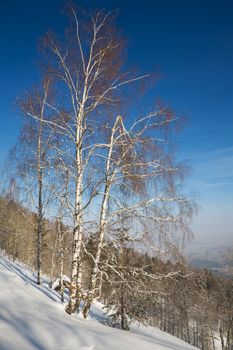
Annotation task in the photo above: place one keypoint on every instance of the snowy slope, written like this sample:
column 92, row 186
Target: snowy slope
column 32, row 317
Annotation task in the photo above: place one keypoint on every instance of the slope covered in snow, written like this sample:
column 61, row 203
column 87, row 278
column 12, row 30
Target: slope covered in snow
column 33, row 317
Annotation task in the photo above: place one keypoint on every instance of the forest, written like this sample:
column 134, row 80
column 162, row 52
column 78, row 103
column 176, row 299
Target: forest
column 191, row 304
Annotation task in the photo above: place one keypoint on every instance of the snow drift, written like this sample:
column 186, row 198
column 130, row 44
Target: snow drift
column 33, row 317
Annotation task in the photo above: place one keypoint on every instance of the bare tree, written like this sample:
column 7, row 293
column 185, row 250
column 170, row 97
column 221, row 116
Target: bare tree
column 87, row 69
column 108, row 169
column 32, row 154
column 140, row 183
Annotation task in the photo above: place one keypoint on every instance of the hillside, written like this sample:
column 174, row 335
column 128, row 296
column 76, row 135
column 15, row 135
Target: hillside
column 33, row 317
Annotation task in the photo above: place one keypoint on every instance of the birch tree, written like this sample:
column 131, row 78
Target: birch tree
column 32, row 155
column 87, row 67
column 140, row 177
column 112, row 168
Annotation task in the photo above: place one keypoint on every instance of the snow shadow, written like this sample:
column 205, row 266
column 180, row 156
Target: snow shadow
column 28, row 279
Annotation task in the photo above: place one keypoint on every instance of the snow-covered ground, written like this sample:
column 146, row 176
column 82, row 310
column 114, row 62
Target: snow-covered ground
column 32, row 317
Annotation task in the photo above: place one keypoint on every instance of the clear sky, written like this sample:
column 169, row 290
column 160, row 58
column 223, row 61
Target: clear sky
column 190, row 42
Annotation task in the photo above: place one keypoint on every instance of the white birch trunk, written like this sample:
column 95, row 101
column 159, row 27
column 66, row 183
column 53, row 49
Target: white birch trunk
column 76, row 268
column 102, row 224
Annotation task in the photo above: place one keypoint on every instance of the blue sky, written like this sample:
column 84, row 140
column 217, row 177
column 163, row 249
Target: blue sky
column 190, row 43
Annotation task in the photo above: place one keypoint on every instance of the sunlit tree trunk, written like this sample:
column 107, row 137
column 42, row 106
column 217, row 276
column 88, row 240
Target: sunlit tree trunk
column 76, row 267
column 102, row 221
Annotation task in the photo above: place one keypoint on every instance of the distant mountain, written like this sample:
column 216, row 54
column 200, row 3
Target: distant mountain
column 220, row 269
column 205, row 263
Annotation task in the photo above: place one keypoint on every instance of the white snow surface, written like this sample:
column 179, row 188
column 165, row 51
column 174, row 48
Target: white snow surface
column 32, row 317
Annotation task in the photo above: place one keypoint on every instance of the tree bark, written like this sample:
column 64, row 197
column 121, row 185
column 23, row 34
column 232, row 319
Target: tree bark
column 102, row 224
column 76, row 267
